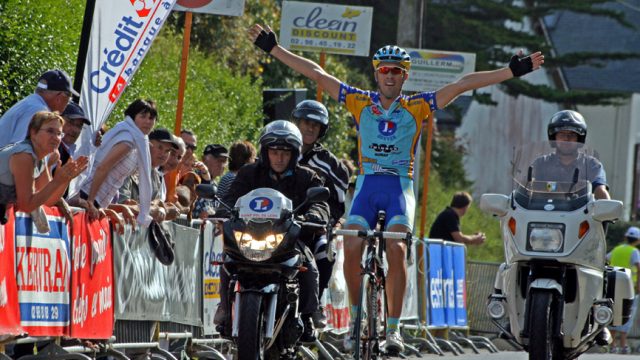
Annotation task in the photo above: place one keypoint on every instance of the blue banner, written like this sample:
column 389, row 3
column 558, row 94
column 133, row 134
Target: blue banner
column 460, row 281
column 447, row 284
column 434, row 288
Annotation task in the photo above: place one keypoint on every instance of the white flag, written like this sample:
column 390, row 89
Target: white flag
column 122, row 32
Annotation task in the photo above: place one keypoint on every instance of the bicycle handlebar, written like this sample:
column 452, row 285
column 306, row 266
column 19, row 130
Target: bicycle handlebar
column 370, row 233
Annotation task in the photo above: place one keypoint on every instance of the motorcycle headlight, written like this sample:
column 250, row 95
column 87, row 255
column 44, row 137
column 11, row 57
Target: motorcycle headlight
column 546, row 237
column 257, row 249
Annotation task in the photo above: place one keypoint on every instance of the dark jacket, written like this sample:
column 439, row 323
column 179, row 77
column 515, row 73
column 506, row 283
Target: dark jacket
column 293, row 186
column 334, row 174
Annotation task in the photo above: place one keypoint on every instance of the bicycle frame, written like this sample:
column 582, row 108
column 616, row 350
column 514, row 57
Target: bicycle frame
column 372, row 287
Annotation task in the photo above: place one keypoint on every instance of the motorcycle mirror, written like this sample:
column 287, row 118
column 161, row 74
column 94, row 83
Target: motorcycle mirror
column 206, row 191
column 607, row 210
column 314, row 195
column 495, row 204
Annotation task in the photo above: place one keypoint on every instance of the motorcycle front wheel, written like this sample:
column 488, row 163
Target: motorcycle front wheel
column 542, row 344
column 250, row 342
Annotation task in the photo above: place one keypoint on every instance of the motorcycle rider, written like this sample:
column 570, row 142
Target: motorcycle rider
column 278, row 168
column 566, row 131
column 312, row 118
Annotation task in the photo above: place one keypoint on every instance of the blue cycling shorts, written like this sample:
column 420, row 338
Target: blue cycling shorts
column 391, row 193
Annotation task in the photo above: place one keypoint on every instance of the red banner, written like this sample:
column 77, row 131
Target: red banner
column 92, row 279
column 9, row 307
column 43, row 271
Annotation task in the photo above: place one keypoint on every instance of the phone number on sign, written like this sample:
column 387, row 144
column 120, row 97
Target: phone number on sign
column 298, row 43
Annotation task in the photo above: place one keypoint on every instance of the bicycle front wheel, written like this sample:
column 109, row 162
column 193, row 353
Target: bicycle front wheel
column 357, row 324
column 375, row 319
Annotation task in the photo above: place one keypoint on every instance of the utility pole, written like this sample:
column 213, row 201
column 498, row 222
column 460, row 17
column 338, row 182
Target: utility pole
column 410, row 26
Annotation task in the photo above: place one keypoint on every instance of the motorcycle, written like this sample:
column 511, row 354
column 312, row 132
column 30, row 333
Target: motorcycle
column 554, row 294
column 262, row 258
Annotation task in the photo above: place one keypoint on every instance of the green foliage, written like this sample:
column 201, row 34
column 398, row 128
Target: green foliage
column 447, row 157
column 439, row 197
column 220, row 106
column 36, row 36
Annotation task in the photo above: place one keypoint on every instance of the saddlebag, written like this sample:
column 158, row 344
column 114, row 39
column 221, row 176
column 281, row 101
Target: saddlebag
column 620, row 290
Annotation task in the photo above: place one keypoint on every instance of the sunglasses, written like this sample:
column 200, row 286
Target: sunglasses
column 395, row 70
column 192, row 147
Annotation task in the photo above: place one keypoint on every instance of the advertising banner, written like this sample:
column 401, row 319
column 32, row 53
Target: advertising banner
column 447, row 284
column 121, row 34
column 433, row 69
column 148, row 290
column 460, row 282
column 92, row 279
column 435, row 292
column 334, row 29
column 212, row 247
column 43, row 271
column 9, row 307
column 217, row 7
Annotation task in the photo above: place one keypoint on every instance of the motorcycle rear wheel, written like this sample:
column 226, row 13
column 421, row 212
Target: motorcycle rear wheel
column 250, row 341
column 542, row 344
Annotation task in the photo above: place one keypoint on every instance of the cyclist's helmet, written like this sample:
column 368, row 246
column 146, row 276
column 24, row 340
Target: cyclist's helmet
column 313, row 111
column 567, row 120
column 281, row 134
column 392, row 54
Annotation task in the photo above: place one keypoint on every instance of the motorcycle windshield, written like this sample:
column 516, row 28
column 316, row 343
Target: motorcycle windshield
column 555, row 176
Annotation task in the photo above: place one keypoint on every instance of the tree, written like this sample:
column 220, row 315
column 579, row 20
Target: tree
column 35, row 36
column 493, row 28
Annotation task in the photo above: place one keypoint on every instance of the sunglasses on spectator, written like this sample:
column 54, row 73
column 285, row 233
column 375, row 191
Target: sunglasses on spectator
column 395, row 70
column 192, row 147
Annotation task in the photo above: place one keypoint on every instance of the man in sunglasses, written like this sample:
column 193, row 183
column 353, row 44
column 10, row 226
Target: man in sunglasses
column 389, row 125
column 53, row 92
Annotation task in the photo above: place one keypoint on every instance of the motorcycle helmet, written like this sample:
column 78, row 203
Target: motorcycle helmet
column 281, row 134
column 313, row 111
column 567, row 120
column 392, row 54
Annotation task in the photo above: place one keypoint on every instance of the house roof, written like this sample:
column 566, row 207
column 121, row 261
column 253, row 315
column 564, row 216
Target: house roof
column 573, row 32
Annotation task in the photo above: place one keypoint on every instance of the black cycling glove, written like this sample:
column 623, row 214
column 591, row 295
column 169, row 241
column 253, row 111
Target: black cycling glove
column 266, row 41
column 520, row 66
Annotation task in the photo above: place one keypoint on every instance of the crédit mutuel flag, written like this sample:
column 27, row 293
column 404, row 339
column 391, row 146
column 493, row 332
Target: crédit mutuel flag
column 122, row 32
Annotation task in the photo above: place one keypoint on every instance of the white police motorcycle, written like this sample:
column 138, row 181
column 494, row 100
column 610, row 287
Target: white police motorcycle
column 554, row 295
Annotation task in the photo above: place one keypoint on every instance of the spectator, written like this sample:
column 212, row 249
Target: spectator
column 74, row 119
column 240, row 154
column 175, row 157
column 215, row 157
column 161, row 143
column 24, row 176
column 190, row 140
column 628, row 256
column 447, row 224
column 124, row 149
column 53, row 92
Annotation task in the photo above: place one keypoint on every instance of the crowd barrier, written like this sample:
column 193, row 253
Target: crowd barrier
column 87, row 282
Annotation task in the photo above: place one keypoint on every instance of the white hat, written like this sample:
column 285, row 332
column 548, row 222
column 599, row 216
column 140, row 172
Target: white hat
column 633, row 232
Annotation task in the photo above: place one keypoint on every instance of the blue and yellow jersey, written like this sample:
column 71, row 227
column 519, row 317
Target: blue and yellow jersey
column 387, row 139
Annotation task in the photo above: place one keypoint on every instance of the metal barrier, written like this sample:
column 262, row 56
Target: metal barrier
column 480, row 279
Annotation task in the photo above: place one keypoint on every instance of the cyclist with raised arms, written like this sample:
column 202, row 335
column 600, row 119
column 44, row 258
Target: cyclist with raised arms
column 389, row 126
